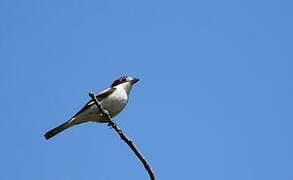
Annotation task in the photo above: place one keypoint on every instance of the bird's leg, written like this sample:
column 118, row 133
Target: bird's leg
column 107, row 117
column 111, row 123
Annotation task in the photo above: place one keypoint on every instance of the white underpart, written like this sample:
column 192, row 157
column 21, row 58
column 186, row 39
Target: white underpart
column 114, row 104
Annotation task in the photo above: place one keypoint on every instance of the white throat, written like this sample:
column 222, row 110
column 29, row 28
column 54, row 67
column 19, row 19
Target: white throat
column 127, row 86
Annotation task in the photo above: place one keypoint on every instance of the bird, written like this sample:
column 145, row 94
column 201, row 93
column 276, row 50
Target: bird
column 112, row 99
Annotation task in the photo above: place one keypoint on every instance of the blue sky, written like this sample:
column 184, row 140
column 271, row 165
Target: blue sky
column 214, row 100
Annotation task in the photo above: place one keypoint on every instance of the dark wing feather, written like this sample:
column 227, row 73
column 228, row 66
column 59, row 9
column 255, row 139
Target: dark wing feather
column 100, row 97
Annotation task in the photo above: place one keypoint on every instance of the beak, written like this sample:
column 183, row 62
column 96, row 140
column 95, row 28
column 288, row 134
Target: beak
column 134, row 80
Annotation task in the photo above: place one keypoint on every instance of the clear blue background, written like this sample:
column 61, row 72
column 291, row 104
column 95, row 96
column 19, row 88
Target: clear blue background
column 214, row 101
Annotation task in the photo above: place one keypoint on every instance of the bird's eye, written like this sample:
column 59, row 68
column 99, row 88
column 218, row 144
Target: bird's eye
column 123, row 79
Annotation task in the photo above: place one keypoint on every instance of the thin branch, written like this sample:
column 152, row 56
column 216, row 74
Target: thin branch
column 123, row 136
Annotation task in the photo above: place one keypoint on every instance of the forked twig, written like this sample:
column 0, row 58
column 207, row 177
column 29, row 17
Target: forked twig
column 123, row 136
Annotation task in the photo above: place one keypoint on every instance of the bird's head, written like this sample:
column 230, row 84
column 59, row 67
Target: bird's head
column 126, row 82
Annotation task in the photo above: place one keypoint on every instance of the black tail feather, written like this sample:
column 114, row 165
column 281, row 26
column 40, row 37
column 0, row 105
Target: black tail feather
column 58, row 129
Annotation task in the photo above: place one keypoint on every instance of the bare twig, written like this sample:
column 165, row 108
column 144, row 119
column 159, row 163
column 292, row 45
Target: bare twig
column 123, row 136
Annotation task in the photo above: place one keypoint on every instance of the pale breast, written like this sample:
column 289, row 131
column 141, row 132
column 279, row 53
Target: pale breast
column 115, row 102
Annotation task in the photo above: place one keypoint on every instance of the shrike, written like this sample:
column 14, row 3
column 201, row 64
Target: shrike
column 113, row 99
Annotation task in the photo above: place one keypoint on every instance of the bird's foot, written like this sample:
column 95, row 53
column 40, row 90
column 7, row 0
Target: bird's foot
column 110, row 124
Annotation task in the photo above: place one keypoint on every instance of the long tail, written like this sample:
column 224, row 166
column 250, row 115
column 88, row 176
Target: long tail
column 59, row 129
